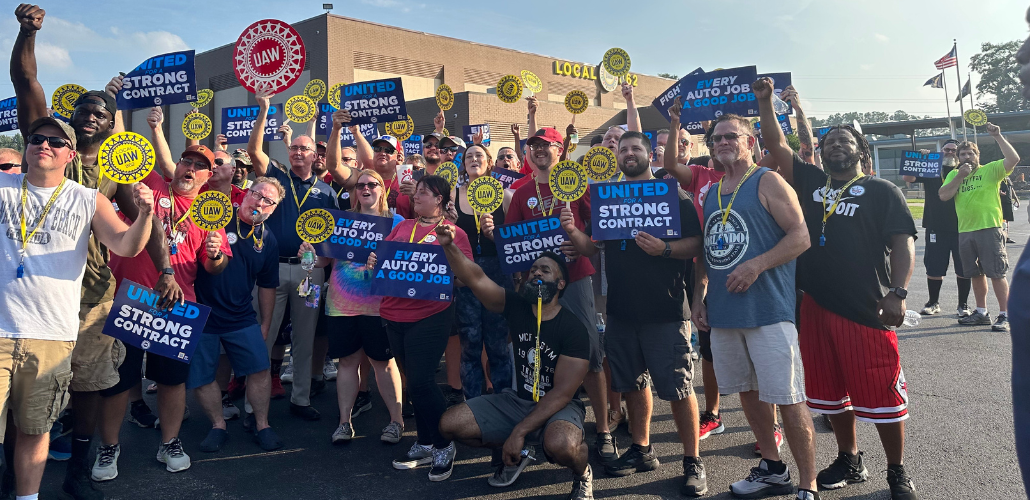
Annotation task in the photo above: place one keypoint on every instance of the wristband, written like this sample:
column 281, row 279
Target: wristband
column 668, row 250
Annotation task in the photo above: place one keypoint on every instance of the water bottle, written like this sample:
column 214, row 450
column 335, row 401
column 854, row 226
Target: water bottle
column 600, row 323
column 911, row 318
column 779, row 105
column 307, row 261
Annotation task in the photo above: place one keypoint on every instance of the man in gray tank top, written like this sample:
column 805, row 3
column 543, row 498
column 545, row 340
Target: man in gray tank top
column 753, row 231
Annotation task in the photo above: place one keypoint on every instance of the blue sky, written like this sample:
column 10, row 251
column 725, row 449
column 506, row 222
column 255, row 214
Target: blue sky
column 845, row 56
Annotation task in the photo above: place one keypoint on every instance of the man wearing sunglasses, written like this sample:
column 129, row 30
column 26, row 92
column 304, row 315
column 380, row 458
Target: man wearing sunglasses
column 221, row 179
column 241, row 169
column 10, row 161
column 506, row 158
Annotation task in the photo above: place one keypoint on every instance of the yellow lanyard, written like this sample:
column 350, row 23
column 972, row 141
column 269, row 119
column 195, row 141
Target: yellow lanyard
column 173, row 229
column 726, row 213
column 42, row 217
column 539, row 358
column 540, row 199
column 414, row 227
column 258, row 243
column 836, row 201
column 293, row 188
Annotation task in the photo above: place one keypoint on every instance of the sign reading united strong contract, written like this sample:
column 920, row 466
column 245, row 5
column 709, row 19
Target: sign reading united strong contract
column 917, row 164
column 9, row 114
column 269, row 56
column 160, row 81
column 619, row 210
column 374, row 101
column 521, row 243
column 238, row 122
column 136, row 321
column 412, row 271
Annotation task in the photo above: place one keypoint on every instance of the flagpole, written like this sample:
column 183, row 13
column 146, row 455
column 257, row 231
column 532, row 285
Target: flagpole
column 972, row 104
column 947, row 104
column 961, row 106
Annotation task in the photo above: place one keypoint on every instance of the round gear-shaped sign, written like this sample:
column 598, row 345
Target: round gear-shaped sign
column 126, row 157
column 211, row 210
column 334, row 95
column 608, row 81
column 576, row 102
column 532, row 81
column 444, row 97
column 300, row 109
column 196, row 126
column 975, row 117
column 315, row 89
column 486, row 194
column 568, row 181
column 616, row 61
column 204, row 97
column 600, row 163
column 63, row 100
column 401, row 129
column 315, row 225
column 269, row 56
column 509, row 89
column 449, row 171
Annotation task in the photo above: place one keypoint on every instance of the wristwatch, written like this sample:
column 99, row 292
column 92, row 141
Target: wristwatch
column 900, row 292
column 668, row 250
column 169, row 271
column 218, row 256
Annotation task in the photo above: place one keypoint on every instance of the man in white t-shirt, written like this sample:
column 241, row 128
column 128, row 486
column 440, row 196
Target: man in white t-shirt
column 47, row 220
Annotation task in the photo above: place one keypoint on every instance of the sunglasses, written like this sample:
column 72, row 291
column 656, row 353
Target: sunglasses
column 384, row 149
column 196, row 164
column 450, row 149
column 344, row 159
column 7, row 166
column 505, row 157
column 717, row 138
column 55, row 142
column 222, row 161
column 302, row 149
column 370, row 185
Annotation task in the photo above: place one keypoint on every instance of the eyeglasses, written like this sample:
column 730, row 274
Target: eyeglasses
column 261, row 198
column 505, row 157
column 450, row 149
column 537, row 146
column 7, row 166
column 223, row 161
column 370, row 185
column 302, row 149
column 197, row 164
column 55, row 142
column 384, row 149
column 347, row 160
column 684, row 141
column 717, row 138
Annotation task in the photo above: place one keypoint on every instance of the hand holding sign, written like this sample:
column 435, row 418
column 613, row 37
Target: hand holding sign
column 568, row 221
column 155, row 118
column 531, row 107
column 213, row 244
column 627, row 92
column 114, row 86
column 340, row 118
column 263, row 96
column 649, row 244
column 486, row 225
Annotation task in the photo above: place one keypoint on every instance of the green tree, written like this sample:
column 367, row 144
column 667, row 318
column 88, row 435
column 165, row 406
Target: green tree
column 999, row 88
column 794, row 142
column 12, row 141
column 669, row 76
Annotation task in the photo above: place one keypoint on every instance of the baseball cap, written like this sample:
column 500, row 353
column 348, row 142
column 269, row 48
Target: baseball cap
column 546, row 134
column 438, row 135
column 320, row 144
column 97, row 97
column 389, row 139
column 241, row 156
column 66, row 129
column 454, row 141
column 201, row 151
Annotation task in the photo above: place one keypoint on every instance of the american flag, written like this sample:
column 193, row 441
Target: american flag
column 949, row 60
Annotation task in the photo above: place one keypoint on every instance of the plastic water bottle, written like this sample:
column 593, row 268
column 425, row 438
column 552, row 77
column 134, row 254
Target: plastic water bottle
column 911, row 318
column 600, row 323
column 307, row 261
column 779, row 105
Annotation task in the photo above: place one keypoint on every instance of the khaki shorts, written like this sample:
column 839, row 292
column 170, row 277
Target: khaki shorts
column 34, row 377
column 96, row 357
column 764, row 359
column 983, row 252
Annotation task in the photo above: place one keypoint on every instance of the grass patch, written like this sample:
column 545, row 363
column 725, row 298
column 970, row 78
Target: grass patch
column 916, row 208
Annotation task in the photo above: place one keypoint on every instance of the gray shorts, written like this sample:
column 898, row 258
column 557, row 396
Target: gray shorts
column 498, row 414
column 579, row 299
column 764, row 359
column 983, row 252
column 660, row 349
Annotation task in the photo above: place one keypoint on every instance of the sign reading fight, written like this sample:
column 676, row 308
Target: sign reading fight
column 9, row 114
column 663, row 102
column 136, row 321
column 709, row 96
column 354, row 236
column 521, row 243
column 469, row 131
column 620, row 209
column 269, row 55
column 413, row 271
column 917, row 164
column 374, row 101
column 238, row 122
column 505, row 176
column 160, row 81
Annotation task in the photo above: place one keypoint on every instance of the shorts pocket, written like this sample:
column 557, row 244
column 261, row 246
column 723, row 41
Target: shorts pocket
column 60, row 395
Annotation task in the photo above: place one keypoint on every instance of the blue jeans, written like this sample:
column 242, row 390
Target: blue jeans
column 477, row 328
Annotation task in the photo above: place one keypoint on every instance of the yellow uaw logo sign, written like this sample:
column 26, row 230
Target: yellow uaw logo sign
column 444, row 97
column 402, row 129
column 300, row 109
column 600, row 163
column 196, row 126
column 509, row 89
column 975, row 117
column 449, row 171
column 616, row 61
column 576, row 102
column 315, row 225
column 486, row 194
column 315, row 90
column 63, row 100
column 211, row 210
column 126, row 157
column 532, row 81
column 608, row 80
column 334, row 95
column 567, row 180
column 446, row 132
column 204, row 97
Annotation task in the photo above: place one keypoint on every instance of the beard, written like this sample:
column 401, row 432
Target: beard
column 638, row 167
column 532, row 289
column 184, row 185
column 842, row 165
column 86, row 141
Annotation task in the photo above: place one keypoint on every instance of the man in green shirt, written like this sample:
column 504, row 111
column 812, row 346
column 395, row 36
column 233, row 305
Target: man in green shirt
column 981, row 240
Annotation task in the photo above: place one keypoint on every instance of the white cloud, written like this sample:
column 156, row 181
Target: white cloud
column 52, row 56
column 880, row 37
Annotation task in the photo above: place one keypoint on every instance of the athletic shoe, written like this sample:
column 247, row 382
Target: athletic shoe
column 172, row 456
column 711, row 423
column 606, row 447
column 901, row 486
column 761, row 482
column 583, row 487
column 77, row 484
column 229, row 410
column 392, row 433
column 305, row 412
column 443, row 463
column 1001, row 324
column 454, row 397
column 329, row 371
column 807, row 495
column 417, row 456
column 695, row 480
column 277, row 387
column 237, row 388
column 140, row 414
column 976, row 318
column 268, row 440
column 60, row 447
column 930, row 309
column 843, row 471
column 779, row 442
column 105, row 467
column 506, row 475
column 362, row 403
column 636, row 459
column 615, row 419
column 214, row 441
column 963, row 311
column 287, row 376
column 152, row 389
column 344, row 433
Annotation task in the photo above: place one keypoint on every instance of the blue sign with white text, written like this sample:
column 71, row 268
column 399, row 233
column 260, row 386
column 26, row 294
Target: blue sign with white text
column 469, row 132
column 355, row 235
column 521, row 243
column 413, row 271
column 784, row 126
column 713, row 94
column 238, row 121
column 325, row 125
column 621, row 209
column 917, row 164
column 136, row 321
column 375, row 101
column 413, row 146
column 160, row 81
column 780, row 82
column 507, row 177
column 663, row 102
column 9, row 114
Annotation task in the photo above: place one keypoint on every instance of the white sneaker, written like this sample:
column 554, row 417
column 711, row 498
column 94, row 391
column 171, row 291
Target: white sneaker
column 329, row 370
column 105, row 467
column 229, row 410
column 344, row 433
column 173, row 457
column 761, row 482
column 287, row 376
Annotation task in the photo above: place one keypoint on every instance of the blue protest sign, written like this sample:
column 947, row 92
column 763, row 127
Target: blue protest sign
column 780, row 82
column 413, row 146
column 9, row 114
column 709, row 96
column 325, row 125
column 355, row 235
column 160, row 81
column 784, row 126
column 821, row 131
column 620, row 209
column 375, row 101
column 664, row 101
column 917, row 164
column 521, row 243
column 413, row 271
column 238, row 121
column 469, row 131
column 325, row 119
column 368, row 130
column 507, row 177
column 136, row 321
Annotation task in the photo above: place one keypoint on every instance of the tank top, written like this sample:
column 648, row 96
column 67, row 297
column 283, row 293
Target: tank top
column 481, row 246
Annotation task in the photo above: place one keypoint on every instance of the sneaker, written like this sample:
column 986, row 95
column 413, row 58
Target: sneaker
column 636, row 459
column 140, row 414
column 695, row 480
column 318, row 386
column 761, row 482
column 976, row 318
column 214, row 441
column 454, row 397
column 105, row 467
column 711, row 423
column 506, row 475
column 930, row 309
column 901, row 486
column 344, row 433
column 617, row 418
column 443, row 463
column 583, row 487
column 807, row 495
column 779, row 442
column 77, row 484
column 329, row 370
column 152, row 389
column 229, row 410
column 392, row 433
column 1001, row 324
column 237, row 388
column 277, row 387
column 172, row 456
column 606, row 447
column 287, row 376
column 362, row 403
column 305, row 412
column 842, row 472
column 963, row 311
column 417, row 456
column 60, row 447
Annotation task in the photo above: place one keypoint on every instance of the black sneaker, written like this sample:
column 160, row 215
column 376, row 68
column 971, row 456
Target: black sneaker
column 583, row 487
column 454, row 397
column 140, row 414
column 1001, row 324
column 606, row 447
column 443, row 463
column 362, row 403
column 930, row 309
column 77, row 483
column 977, row 318
column 306, row 412
column 695, row 481
column 842, row 472
column 901, row 486
column 636, row 459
